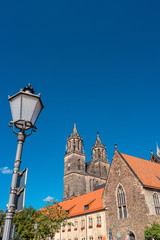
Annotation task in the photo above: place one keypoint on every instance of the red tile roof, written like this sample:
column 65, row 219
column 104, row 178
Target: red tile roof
column 76, row 204
column 148, row 172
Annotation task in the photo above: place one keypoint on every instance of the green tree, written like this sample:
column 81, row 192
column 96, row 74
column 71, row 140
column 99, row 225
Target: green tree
column 50, row 218
column 2, row 217
column 154, row 230
column 24, row 223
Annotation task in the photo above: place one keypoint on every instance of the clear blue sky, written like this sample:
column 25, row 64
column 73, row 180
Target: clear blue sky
column 96, row 64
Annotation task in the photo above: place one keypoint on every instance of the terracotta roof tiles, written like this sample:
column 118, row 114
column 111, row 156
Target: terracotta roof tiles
column 76, row 205
column 148, row 172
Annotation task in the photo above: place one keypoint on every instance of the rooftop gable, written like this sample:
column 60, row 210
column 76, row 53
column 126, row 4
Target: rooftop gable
column 147, row 172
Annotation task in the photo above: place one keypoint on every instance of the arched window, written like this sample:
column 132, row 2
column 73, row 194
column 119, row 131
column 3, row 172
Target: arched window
column 69, row 167
column 79, row 164
column 122, row 209
column 99, row 153
column 156, row 203
column 90, row 184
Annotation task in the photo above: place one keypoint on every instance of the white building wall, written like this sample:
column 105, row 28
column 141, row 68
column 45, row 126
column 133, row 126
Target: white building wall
column 95, row 232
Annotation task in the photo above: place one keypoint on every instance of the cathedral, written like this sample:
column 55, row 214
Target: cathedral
column 108, row 202
column 81, row 177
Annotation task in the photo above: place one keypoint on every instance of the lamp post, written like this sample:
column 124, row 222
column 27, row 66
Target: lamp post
column 25, row 109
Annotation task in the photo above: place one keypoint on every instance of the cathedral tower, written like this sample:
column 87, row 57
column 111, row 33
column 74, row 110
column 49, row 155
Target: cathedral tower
column 99, row 164
column 74, row 166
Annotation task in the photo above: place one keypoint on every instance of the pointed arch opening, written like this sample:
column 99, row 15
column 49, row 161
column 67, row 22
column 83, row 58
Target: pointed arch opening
column 156, row 203
column 121, row 202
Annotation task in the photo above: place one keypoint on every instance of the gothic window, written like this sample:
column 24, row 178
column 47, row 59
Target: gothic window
column 122, row 209
column 94, row 182
column 69, row 167
column 90, row 238
column 156, row 203
column 79, row 164
column 90, row 183
column 99, row 153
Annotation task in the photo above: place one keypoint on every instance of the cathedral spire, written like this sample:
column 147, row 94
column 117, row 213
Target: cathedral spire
column 98, row 142
column 99, row 150
column 75, row 142
column 74, row 133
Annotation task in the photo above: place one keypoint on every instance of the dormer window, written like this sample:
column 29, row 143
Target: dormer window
column 67, row 212
column 86, row 207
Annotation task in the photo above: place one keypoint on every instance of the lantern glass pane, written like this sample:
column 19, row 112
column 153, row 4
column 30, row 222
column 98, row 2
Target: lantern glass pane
column 15, row 104
column 28, row 106
column 36, row 112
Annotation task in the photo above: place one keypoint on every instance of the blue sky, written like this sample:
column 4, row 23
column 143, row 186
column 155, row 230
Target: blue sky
column 96, row 64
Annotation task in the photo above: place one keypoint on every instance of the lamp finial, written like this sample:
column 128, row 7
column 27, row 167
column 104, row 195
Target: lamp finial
column 28, row 89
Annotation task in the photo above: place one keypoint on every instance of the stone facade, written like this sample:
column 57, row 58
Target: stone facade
column 81, row 177
column 84, row 227
column 139, row 205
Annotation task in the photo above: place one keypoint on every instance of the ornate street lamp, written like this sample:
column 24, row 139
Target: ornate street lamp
column 25, row 109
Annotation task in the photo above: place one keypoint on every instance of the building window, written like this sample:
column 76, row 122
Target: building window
column 79, row 164
column 99, row 238
column 121, row 200
column 83, row 238
column 75, row 225
column 99, row 221
column 82, row 225
column 90, row 238
column 156, row 203
column 90, row 223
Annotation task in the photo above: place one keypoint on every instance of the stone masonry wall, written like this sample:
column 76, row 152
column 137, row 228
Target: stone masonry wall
column 74, row 185
column 137, row 209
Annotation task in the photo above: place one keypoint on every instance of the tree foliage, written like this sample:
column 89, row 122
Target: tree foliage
column 154, row 230
column 50, row 218
column 2, row 217
column 24, row 223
